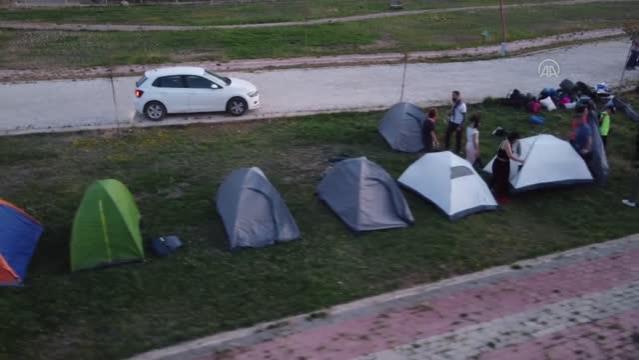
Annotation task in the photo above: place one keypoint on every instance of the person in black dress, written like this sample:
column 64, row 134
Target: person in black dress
column 501, row 167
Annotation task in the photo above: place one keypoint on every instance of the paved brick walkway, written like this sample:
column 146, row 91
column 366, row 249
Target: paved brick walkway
column 581, row 304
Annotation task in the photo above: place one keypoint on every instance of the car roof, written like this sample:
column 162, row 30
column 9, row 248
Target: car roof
column 175, row 70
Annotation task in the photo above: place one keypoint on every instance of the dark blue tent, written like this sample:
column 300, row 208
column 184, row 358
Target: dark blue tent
column 19, row 235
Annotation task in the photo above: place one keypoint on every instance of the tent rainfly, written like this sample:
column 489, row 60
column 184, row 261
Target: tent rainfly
column 450, row 183
column 253, row 212
column 19, row 235
column 549, row 161
column 401, row 127
column 106, row 229
column 364, row 196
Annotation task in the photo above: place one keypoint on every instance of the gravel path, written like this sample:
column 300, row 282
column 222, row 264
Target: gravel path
column 22, row 25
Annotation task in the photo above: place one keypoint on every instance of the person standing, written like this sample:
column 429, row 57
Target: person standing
column 501, row 167
column 634, row 55
column 472, row 140
column 456, row 121
column 583, row 141
column 429, row 135
column 604, row 124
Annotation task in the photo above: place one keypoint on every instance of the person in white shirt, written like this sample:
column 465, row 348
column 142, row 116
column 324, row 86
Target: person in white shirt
column 472, row 139
column 456, row 121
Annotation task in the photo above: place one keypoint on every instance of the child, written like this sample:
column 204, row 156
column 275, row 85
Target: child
column 472, row 140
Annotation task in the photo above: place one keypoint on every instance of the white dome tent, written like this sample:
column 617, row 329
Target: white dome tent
column 548, row 161
column 450, row 183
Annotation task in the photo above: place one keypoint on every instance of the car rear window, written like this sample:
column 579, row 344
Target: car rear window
column 140, row 81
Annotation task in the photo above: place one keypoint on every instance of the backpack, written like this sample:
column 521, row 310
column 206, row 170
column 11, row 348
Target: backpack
column 534, row 107
column 585, row 90
column 567, row 86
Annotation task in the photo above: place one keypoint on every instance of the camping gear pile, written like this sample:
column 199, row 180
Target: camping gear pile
column 567, row 96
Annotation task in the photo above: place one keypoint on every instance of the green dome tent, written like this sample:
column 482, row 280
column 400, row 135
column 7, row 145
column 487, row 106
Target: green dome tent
column 106, row 228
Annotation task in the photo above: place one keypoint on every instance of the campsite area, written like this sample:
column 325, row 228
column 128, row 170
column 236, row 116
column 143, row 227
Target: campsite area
column 174, row 174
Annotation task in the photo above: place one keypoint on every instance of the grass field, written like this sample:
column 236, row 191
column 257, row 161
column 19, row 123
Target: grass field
column 44, row 49
column 174, row 173
column 246, row 13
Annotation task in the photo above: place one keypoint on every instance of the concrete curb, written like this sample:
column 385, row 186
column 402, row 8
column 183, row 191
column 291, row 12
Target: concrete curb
column 191, row 349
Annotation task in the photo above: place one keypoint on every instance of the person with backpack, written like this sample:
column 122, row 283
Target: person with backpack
column 456, row 120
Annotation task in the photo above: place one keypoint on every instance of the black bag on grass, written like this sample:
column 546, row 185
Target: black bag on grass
column 517, row 99
column 165, row 245
column 585, row 90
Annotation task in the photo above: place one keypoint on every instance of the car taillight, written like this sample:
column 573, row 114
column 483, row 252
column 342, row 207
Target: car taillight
column 139, row 93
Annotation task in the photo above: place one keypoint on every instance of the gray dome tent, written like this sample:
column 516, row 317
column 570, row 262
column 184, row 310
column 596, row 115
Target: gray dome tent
column 401, row 127
column 252, row 210
column 364, row 196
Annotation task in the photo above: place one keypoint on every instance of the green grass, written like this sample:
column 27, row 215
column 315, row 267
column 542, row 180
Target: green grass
column 203, row 289
column 259, row 12
column 424, row 32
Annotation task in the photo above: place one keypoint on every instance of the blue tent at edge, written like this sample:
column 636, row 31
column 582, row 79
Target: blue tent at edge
column 19, row 235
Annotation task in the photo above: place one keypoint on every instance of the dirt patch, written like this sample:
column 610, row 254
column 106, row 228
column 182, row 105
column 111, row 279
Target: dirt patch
column 385, row 42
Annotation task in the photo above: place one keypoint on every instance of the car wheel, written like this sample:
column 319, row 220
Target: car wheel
column 154, row 111
column 237, row 106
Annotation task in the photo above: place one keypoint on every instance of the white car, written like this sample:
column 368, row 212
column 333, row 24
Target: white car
column 192, row 90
